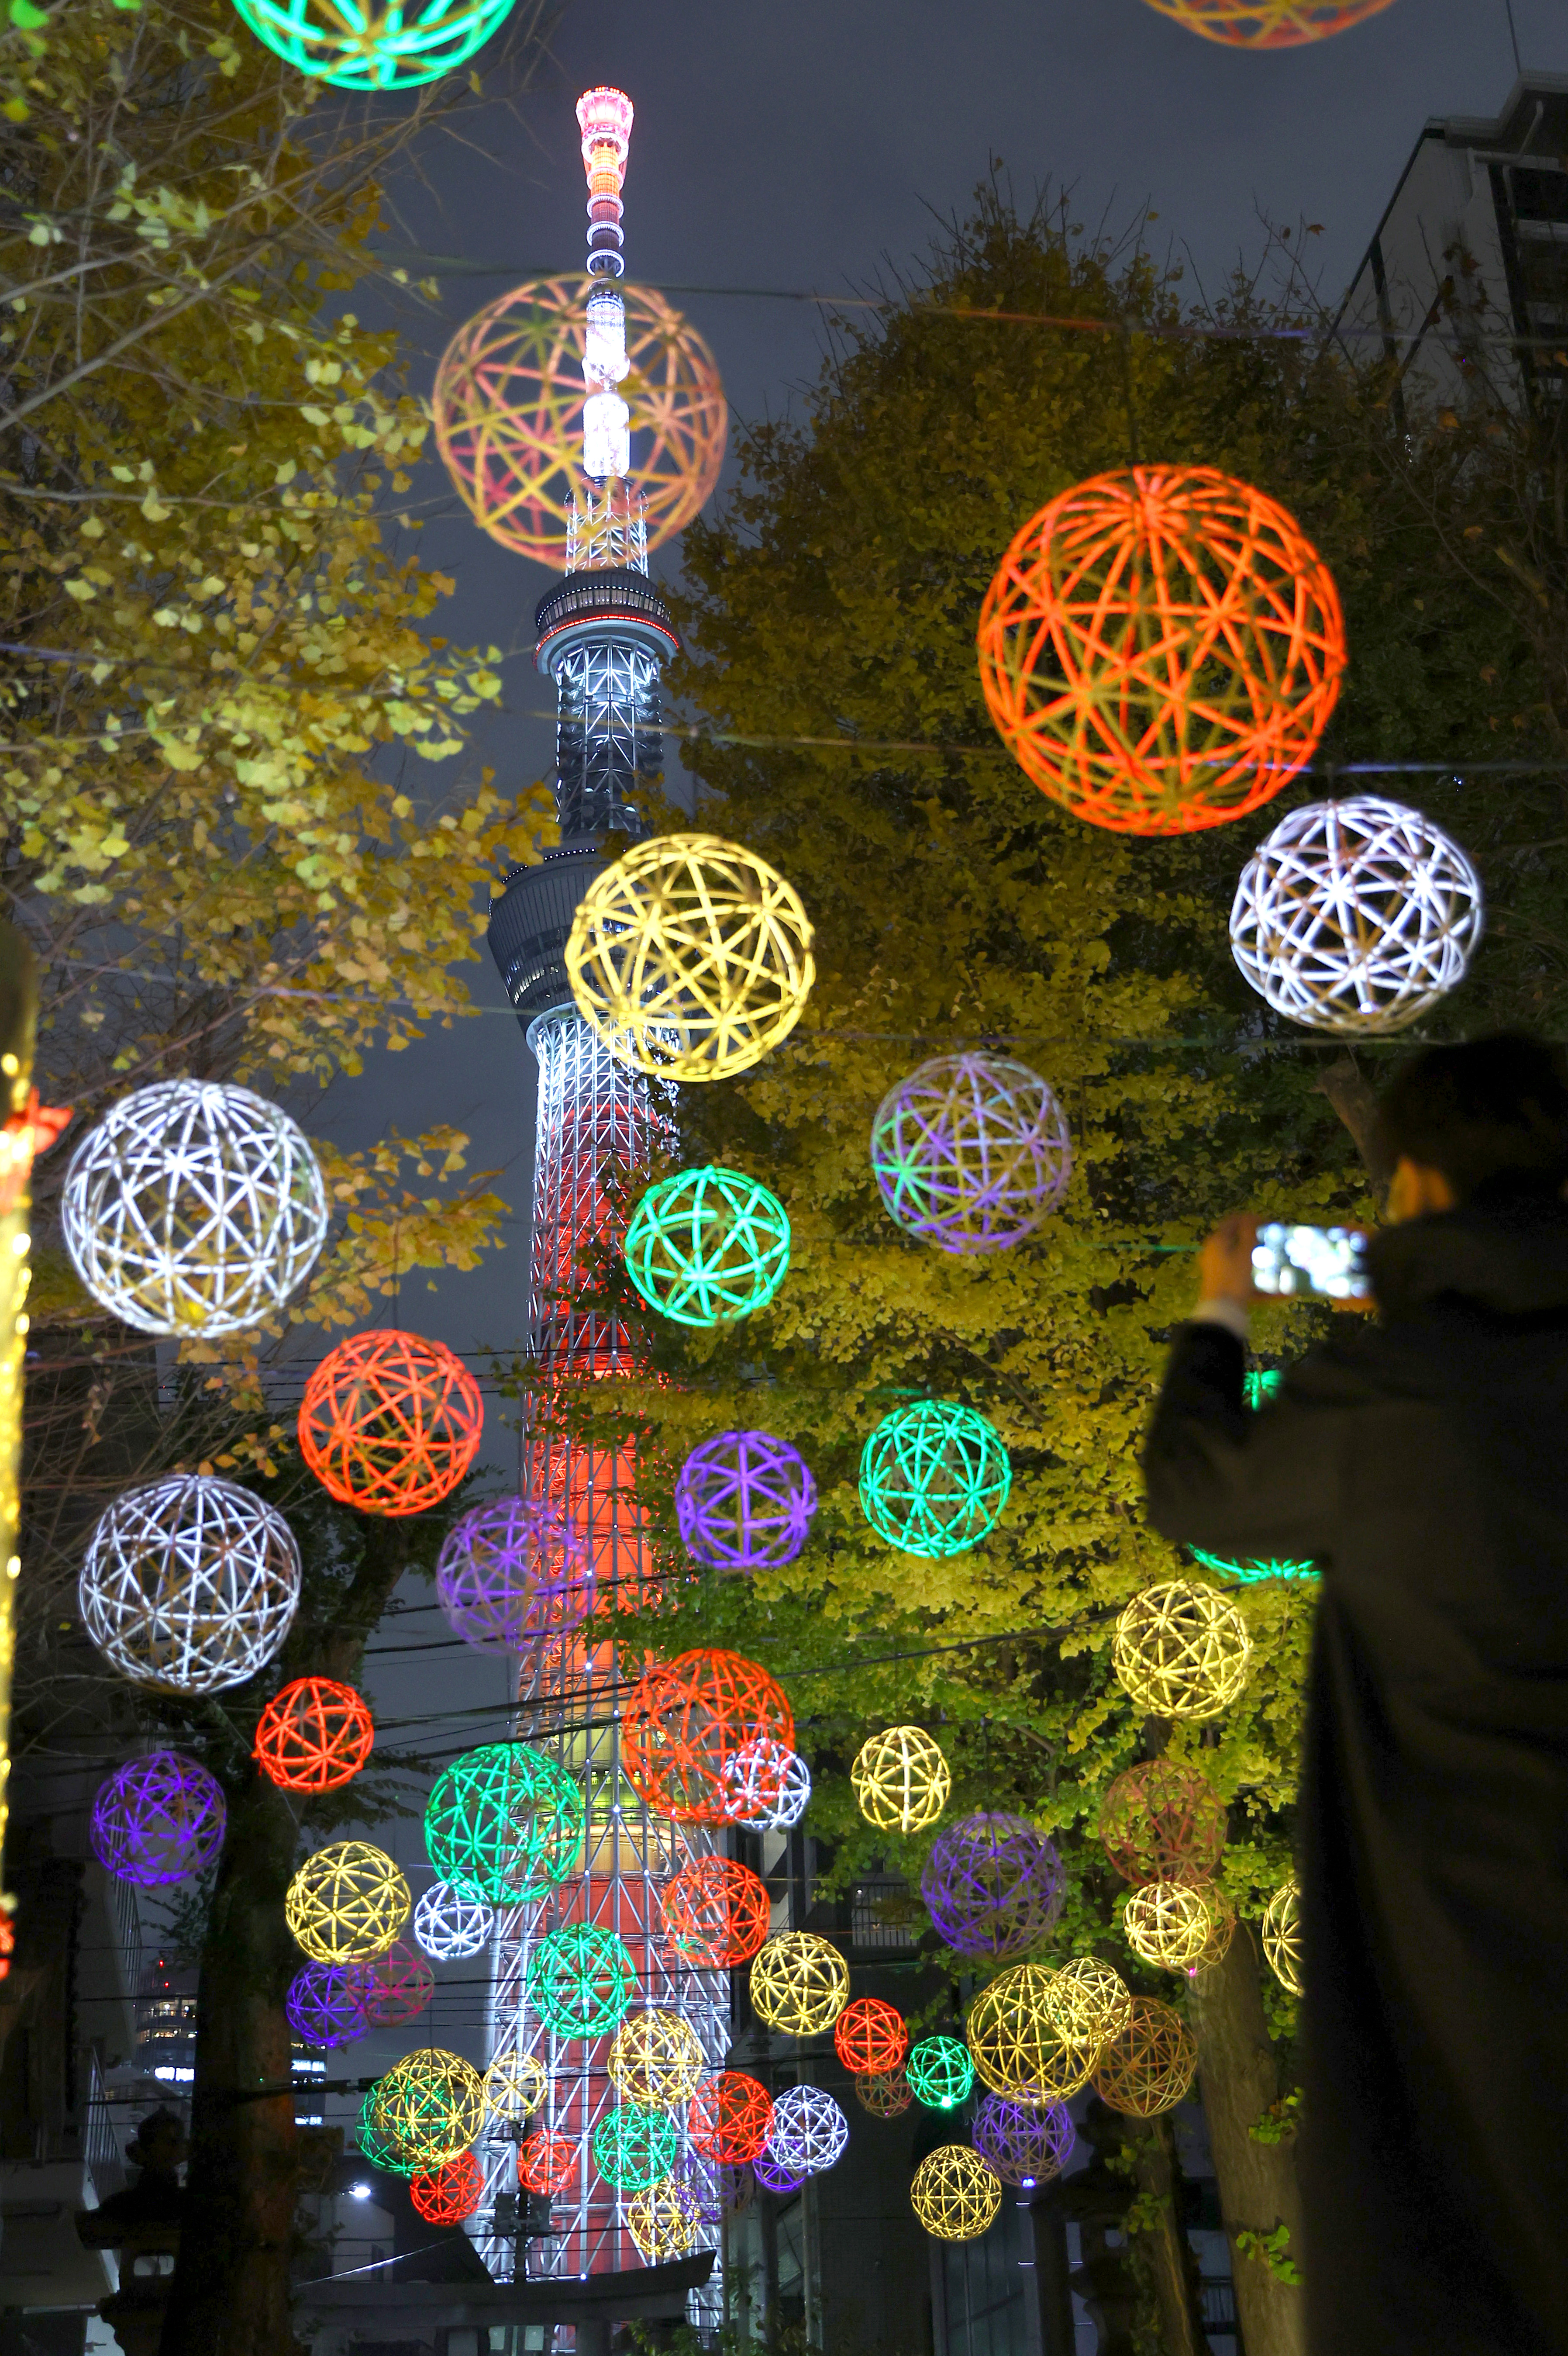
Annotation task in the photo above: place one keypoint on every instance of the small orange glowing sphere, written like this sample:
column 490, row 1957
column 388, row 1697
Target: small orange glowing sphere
column 1269, row 24
column 1161, row 649
column 314, row 1736
column 390, row 1423
column 449, row 2193
column 871, row 2038
column 546, row 2163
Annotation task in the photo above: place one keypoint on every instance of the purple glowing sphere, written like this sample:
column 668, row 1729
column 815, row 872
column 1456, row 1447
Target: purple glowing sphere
column 971, row 1152
column 157, row 1819
column 514, row 1570
column 326, row 2004
column 993, row 1885
column 773, row 2175
column 1024, row 2146
column 744, row 1501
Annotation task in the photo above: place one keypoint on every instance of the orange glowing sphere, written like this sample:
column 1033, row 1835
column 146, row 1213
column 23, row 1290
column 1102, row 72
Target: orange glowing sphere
column 448, row 2194
column 716, row 1911
column 870, row 2038
column 1161, row 649
column 546, row 2163
column 390, row 1423
column 684, row 1722
column 315, row 1735
column 1269, row 24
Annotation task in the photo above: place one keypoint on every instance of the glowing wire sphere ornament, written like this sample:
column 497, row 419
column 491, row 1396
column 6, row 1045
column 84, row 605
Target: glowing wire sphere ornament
column 189, row 1584
column 887, row 2094
column 581, row 1980
column 508, row 403
column 934, row 1478
column 744, row 1501
column 716, row 1911
column 633, row 2146
column 346, row 1904
column 326, row 2005
column 690, row 957
column 686, row 1719
column 374, row 47
column 1178, row 1926
column 511, row 1570
column 398, row 1987
column 1162, row 648
column 955, row 2194
column 1251, row 1571
column 799, row 1984
column 1269, row 24
column 375, row 2146
column 971, row 1152
column 315, row 1735
column 1181, row 1651
column 504, row 1822
column 708, row 1245
column 1162, row 1821
column 871, row 2037
column 1019, row 2046
column 451, row 1921
column 390, row 1423
column 993, row 1885
column 940, row 2074
column 1356, row 917
column 516, row 2085
column 1025, row 2145
column 429, row 2108
column 450, row 2193
column 193, row 1209
column 773, row 2175
column 809, row 2133
column 666, row 2221
column 729, row 2117
column 1150, row 2066
column 1088, row 2001
column 157, row 1820
column 1282, row 1937
column 767, row 1787
column 546, row 2162
column 734, row 2188
column 901, row 1780
column 656, row 2059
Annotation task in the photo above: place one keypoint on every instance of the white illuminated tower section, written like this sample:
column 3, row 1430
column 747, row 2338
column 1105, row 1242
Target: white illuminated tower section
column 603, row 637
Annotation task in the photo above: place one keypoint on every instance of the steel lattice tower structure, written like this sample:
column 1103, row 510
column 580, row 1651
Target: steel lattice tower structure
column 604, row 634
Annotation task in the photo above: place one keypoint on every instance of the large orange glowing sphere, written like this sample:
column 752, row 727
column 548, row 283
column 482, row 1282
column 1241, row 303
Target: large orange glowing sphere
column 390, row 1422
column 508, row 413
column 685, row 1721
column 1269, row 24
column 1161, row 649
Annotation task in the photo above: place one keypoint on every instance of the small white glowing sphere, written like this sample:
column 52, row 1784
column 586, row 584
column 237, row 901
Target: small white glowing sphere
column 1356, row 917
column 809, row 2132
column 766, row 1787
column 450, row 1922
column 189, row 1584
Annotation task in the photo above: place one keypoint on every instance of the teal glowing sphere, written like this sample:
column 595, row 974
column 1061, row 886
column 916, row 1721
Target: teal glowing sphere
column 708, row 1245
column 1258, row 1384
column 359, row 45
column 934, row 1478
column 375, row 2146
column 940, row 2072
column 506, row 1822
column 581, row 1980
column 634, row 2147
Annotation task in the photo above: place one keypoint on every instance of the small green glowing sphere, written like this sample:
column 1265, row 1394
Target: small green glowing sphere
column 506, row 1822
column 708, row 1245
column 939, row 2071
column 376, row 2147
column 634, row 2147
column 1258, row 1384
column 934, row 1478
column 581, row 1980
column 359, row 45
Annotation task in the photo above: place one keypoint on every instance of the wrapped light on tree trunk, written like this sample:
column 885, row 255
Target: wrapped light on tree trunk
column 189, row 1584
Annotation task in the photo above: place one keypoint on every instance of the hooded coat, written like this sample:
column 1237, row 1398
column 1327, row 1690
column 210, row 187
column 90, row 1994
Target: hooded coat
column 1422, row 1464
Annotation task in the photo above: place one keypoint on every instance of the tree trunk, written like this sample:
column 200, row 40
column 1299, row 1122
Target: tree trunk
column 1258, row 2192
column 1345, row 1086
column 1162, row 2249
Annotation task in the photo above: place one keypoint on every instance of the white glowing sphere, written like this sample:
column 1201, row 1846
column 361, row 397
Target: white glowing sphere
column 189, row 1584
column 193, row 1209
column 809, row 2132
column 450, row 1922
column 766, row 1787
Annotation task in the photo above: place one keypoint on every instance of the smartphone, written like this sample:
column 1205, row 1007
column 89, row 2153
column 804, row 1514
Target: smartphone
column 1325, row 1260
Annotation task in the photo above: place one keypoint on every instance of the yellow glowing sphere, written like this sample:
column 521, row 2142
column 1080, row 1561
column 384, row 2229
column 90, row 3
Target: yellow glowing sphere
column 954, row 2193
column 656, row 2059
column 346, row 1904
column 516, row 2085
column 1148, row 2066
column 1269, row 24
column 690, row 957
column 901, row 1780
column 666, row 2221
column 1017, row 2043
column 1179, row 1926
column 1088, row 2001
column 429, row 2108
column 1282, row 1936
column 1182, row 1651
column 800, row 1983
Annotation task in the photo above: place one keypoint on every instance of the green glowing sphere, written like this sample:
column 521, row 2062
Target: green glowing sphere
column 708, row 1245
column 934, row 1478
column 1258, row 1384
column 377, row 2147
column 359, row 45
column 506, row 1822
column 634, row 2147
column 581, row 1980
column 940, row 2072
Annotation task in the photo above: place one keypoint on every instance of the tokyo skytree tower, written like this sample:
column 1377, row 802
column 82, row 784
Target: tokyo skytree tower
column 603, row 637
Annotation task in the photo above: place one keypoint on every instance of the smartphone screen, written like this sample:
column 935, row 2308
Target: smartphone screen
column 1325, row 1260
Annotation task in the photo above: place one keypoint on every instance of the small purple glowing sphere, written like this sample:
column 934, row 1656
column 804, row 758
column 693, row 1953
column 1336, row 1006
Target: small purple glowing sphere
column 993, row 1885
column 773, row 2175
column 1024, row 2146
column 326, row 2004
column 157, row 1819
column 512, row 1570
column 971, row 1152
column 744, row 1501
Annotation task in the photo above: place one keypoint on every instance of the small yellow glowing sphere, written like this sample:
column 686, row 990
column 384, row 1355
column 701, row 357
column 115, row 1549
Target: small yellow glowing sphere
column 901, row 1780
column 1282, row 1936
column 1179, row 1926
column 516, row 2085
column 1017, row 2043
column 1148, row 2066
column 800, row 1983
column 346, row 1904
column 1182, row 1651
column 954, row 2193
column 429, row 2108
column 1088, row 2001
column 666, row 2221
column 690, row 957
column 656, row 2059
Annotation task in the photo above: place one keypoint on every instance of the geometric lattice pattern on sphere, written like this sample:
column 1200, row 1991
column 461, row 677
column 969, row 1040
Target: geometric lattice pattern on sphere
column 809, row 2133
column 1088, row 2001
column 1162, row 1821
column 516, row 2085
column 315, row 1735
column 901, row 1780
column 1269, row 24
column 940, row 2072
column 1181, row 1651
column 799, row 1984
column 993, row 1885
column 511, row 1569
column 449, row 2193
column 429, row 2108
column 716, row 1911
column 869, row 2036
column 326, row 2005
column 730, row 2116
column 506, row 1822
column 189, row 1584
column 1149, row 2065
column 395, row 47
column 389, row 1422
column 451, row 1922
column 769, row 1788
column 708, row 1245
column 1356, row 917
column 687, row 1720
column 193, row 1209
column 346, row 1904
column 1179, row 1926
column 666, row 2221
column 887, row 2095
column 934, row 1478
column 1282, row 1936
column 1161, row 649
column 656, row 2059
column 633, row 2147
column 1025, row 2145
column 971, row 1152
column 744, row 1501
column 581, row 1980
column 691, row 958
column 1018, row 2042
column 398, row 1987
column 955, row 2194
column 156, row 1820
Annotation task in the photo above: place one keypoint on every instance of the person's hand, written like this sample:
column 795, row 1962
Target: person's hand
column 1225, row 1261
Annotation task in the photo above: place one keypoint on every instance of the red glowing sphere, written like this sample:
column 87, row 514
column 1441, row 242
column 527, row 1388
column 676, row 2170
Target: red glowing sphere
column 687, row 1718
column 871, row 2038
column 314, row 1736
column 451, row 2192
column 729, row 2117
column 546, row 2163
column 717, row 1912
column 390, row 1423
